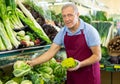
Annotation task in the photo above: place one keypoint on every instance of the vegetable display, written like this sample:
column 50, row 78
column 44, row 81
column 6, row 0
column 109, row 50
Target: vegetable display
column 50, row 72
column 105, row 31
column 15, row 18
column 49, row 29
column 31, row 22
column 8, row 32
column 21, row 68
column 113, row 46
column 11, row 82
column 26, row 82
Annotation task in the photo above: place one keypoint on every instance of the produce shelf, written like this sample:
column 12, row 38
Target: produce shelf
column 111, row 67
column 22, row 50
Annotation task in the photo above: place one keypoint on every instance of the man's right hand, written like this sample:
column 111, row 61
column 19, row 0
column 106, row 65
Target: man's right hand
column 30, row 62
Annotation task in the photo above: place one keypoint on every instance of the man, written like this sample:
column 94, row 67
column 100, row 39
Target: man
column 82, row 42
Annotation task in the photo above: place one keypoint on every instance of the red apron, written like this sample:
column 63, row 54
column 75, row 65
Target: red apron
column 77, row 48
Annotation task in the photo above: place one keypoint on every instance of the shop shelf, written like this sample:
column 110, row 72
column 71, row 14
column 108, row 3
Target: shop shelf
column 22, row 50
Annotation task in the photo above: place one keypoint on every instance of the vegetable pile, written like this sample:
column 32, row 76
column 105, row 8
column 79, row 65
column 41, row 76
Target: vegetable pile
column 49, row 29
column 14, row 17
column 21, row 68
column 105, row 31
column 113, row 46
column 50, row 72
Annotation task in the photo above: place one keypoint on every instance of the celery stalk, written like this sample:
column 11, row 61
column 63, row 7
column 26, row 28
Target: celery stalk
column 2, row 46
column 7, row 25
column 14, row 19
column 5, row 37
column 10, row 33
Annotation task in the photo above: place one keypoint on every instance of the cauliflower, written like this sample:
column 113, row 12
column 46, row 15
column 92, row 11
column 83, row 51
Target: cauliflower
column 69, row 63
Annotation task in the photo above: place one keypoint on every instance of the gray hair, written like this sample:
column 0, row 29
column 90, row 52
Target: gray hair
column 71, row 5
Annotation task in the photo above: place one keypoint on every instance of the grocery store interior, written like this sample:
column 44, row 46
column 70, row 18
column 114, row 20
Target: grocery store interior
column 28, row 27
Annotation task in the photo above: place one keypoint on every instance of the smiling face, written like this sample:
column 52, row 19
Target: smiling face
column 70, row 17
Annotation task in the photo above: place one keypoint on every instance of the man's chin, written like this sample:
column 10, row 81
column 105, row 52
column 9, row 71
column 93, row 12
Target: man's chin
column 69, row 26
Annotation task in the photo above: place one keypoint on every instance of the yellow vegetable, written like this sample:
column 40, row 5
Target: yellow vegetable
column 69, row 62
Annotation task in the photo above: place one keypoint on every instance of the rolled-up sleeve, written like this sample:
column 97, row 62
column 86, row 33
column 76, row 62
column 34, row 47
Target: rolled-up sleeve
column 93, row 37
column 59, row 37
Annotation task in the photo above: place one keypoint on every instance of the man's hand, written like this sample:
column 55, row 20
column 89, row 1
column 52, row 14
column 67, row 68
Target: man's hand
column 75, row 68
column 30, row 62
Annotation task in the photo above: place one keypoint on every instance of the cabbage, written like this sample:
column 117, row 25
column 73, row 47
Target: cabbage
column 26, row 82
column 1, row 82
column 53, row 63
column 48, row 79
column 11, row 82
column 17, row 79
column 45, row 69
column 21, row 68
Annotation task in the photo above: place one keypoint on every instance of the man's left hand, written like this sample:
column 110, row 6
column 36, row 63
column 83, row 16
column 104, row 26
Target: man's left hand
column 75, row 68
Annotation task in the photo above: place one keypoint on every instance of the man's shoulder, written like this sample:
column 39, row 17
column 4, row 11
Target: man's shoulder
column 62, row 30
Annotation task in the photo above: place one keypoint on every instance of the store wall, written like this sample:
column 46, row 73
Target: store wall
column 113, row 5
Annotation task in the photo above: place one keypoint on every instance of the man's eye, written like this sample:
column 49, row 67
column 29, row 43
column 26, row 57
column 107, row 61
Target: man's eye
column 70, row 15
column 63, row 16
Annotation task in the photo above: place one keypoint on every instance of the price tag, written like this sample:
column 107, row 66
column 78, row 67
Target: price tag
column 101, row 66
column 116, row 66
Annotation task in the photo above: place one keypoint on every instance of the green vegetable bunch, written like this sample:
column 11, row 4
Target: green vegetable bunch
column 26, row 82
column 1, row 82
column 21, row 68
column 11, row 82
column 69, row 63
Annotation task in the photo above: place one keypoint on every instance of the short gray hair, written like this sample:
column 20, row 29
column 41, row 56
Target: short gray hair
column 70, row 5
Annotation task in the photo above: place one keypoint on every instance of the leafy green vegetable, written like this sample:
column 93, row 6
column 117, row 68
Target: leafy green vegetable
column 11, row 82
column 26, row 82
column 2, row 46
column 1, row 82
column 47, row 78
column 4, row 38
column 104, row 51
column 33, row 27
column 53, row 63
column 45, row 69
column 21, row 33
column 85, row 18
column 104, row 29
column 21, row 68
column 35, row 77
column 100, row 16
column 5, row 19
column 59, row 71
column 17, row 79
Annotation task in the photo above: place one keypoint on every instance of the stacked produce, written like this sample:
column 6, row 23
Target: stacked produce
column 31, row 22
column 50, row 72
column 38, row 14
column 13, row 24
column 113, row 46
column 85, row 18
column 7, row 36
column 50, row 31
column 105, row 31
